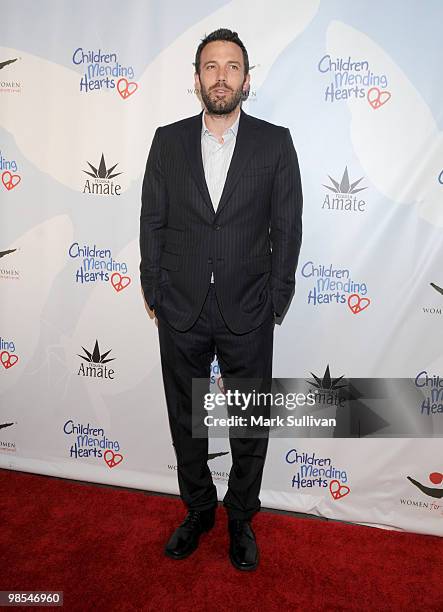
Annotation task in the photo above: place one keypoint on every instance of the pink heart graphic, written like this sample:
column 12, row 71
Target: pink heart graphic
column 377, row 97
column 112, row 459
column 126, row 88
column 7, row 360
column 119, row 282
column 338, row 490
column 10, row 180
column 357, row 303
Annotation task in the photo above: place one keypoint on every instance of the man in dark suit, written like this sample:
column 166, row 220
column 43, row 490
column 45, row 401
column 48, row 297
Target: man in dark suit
column 220, row 235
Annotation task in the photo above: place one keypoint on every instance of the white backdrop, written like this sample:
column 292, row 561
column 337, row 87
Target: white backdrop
column 82, row 90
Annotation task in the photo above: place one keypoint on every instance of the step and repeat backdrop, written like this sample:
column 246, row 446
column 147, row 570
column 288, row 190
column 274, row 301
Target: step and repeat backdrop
column 83, row 86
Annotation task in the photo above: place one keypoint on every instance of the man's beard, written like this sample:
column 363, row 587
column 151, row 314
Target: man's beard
column 221, row 106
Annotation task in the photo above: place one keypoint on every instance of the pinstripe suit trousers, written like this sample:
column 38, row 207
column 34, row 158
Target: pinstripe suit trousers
column 189, row 354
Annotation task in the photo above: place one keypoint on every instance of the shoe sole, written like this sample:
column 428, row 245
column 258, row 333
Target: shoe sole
column 189, row 553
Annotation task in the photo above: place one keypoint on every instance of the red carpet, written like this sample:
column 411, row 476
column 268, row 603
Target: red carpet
column 104, row 548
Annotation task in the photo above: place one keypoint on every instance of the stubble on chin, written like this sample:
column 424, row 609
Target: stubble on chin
column 223, row 106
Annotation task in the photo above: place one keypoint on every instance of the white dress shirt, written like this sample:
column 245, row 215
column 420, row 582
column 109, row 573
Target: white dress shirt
column 216, row 160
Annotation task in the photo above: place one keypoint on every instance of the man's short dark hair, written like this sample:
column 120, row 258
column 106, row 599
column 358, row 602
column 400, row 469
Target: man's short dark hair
column 221, row 34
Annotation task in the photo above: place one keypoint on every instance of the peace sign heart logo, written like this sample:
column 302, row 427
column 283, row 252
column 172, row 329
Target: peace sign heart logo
column 10, row 180
column 112, row 459
column 119, row 282
column 126, row 88
column 7, row 360
column 377, row 97
column 357, row 303
column 338, row 490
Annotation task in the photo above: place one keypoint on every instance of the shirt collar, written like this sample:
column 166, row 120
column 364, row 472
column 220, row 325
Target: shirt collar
column 233, row 128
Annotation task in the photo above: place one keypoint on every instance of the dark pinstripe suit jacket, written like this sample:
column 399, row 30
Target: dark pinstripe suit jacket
column 251, row 243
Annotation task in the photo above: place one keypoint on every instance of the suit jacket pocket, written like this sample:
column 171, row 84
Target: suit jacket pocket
column 169, row 261
column 259, row 171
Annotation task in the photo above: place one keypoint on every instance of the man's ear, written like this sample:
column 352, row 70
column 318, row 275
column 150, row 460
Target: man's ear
column 246, row 87
column 247, row 83
column 197, row 86
column 197, row 81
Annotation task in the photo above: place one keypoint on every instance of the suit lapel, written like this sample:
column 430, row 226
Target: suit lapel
column 246, row 142
column 191, row 137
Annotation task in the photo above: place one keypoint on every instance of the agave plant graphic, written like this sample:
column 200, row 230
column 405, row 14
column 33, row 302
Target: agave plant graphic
column 95, row 356
column 327, row 383
column 102, row 171
column 345, row 186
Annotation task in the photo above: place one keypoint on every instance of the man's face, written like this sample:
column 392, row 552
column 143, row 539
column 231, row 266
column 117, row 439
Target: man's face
column 222, row 80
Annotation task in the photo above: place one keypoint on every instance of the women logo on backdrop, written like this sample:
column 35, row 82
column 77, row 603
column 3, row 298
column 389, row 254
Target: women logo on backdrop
column 7, row 431
column 434, row 308
column 436, row 478
column 8, row 272
column 7, row 83
column 431, row 490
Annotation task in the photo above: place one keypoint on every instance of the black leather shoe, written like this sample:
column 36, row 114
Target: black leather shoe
column 185, row 538
column 243, row 551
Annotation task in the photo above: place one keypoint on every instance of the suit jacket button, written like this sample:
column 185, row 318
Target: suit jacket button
column 210, row 260
column 217, row 227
